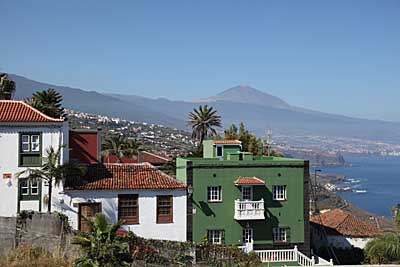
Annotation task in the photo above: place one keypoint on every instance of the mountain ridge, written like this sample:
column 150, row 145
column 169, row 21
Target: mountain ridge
column 273, row 113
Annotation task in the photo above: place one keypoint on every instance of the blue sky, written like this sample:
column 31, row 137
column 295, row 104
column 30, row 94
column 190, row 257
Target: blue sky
column 333, row 56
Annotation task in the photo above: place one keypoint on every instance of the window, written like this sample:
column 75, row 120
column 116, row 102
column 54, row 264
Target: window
column 219, row 151
column 214, row 193
column 30, row 149
column 247, row 235
column 279, row 234
column 247, row 193
column 29, row 190
column 164, row 209
column 215, row 236
column 279, row 192
column 128, row 209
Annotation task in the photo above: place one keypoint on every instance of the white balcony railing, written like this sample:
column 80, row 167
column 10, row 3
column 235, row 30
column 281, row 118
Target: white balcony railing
column 249, row 210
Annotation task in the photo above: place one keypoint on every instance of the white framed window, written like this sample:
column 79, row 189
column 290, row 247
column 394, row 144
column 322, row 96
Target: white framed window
column 247, row 193
column 34, row 188
column 247, row 235
column 25, row 143
column 279, row 192
column 220, row 151
column 24, row 188
column 214, row 193
column 35, row 143
column 215, row 236
column 279, row 234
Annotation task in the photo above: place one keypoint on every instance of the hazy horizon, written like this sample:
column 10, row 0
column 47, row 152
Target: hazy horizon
column 338, row 57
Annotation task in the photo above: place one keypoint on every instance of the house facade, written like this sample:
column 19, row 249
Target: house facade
column 150, row 203
column 25, row 134
column 237, row 198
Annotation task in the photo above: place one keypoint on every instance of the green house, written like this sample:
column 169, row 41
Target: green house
column 236, row 198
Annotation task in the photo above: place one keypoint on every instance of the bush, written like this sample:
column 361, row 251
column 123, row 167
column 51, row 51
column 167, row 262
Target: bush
column 26, row 256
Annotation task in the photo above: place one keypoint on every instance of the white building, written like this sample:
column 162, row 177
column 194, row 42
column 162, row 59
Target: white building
column 25, row 134
column 341, row 230
column 151, row 203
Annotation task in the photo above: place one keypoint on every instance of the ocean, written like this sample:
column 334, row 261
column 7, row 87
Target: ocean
column 377, row 180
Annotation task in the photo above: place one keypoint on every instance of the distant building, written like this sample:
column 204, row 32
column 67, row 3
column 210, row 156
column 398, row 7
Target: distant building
column 254, row 202
column 341, row 230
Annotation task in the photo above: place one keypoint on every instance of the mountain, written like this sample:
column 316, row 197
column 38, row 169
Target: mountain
column 94, row 102
column 248, row 95
column 258, row 110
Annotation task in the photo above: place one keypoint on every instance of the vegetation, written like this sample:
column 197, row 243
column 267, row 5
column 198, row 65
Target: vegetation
column 120, row 146
column 101, row 246
column 7, row 87
column 27, row 256
column 47, row 101
column 203, row 122
column 250, row 142
column 52, row 171
column 384, row 249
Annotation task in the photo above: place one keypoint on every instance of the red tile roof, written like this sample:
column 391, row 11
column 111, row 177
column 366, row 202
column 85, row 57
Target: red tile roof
column 227, row 142
column 345, row 224
column 154, row 158
column 249, row 181
column 123, row 176
column 19, row 111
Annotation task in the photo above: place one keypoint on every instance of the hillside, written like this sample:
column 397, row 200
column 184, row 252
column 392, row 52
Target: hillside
column 257, row 109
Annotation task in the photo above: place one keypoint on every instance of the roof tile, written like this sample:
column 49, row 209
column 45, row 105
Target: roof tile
column 123, row 176
column 19, row 111
column 345, row 223
column 227, row 142
column 249, row 181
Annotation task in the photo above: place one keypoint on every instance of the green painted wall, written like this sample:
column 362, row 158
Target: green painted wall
column 211, row 215
column 208, row 149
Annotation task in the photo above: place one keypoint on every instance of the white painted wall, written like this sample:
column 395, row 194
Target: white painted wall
column 147, row 226
column 9, row 137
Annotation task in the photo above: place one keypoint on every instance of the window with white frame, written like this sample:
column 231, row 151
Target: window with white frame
column 214, row 193
column 215, row 236
column 279, row 234
column 247, row 193
column 279, row 192
column 30, row 149
column 34, row 188
column 247, row 235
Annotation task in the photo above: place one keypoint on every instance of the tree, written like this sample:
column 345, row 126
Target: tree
column 203, row 122
column 101, row 246
column 120, row 146
column 7, row 87
column 47, row 101
column 52, row 171
column 384, row 249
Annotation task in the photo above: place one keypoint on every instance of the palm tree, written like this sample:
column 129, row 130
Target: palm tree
column 7, row 87
column 384, row 249
column 203, row 121
column 47, row 101
column 52, row 171
column 101, row 246
column 120, row 146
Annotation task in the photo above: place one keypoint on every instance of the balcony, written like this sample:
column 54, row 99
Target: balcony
column 249, row 210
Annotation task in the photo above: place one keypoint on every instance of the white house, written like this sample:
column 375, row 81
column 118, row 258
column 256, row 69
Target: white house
column 25, row 134
column 151, row 203
column 341, row 230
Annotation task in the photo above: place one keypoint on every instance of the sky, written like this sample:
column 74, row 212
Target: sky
column 339, row 56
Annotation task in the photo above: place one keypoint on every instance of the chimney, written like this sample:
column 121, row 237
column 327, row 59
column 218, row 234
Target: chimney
column 139, row 156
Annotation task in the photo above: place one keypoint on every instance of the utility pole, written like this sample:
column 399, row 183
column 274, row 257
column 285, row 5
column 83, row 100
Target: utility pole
column 268, row 142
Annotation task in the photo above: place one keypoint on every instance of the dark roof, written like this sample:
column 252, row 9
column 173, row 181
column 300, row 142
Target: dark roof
column 123, row 176
column 19, row 111
column 345, row 224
